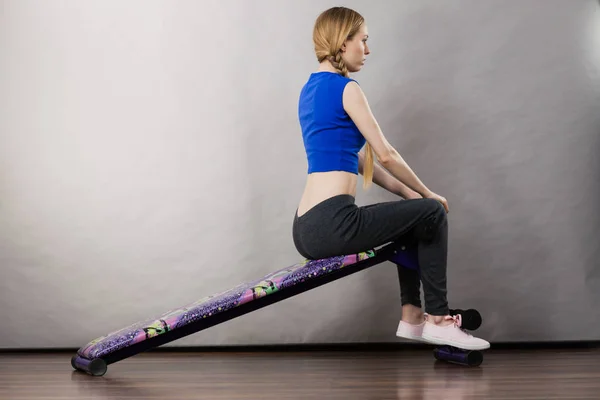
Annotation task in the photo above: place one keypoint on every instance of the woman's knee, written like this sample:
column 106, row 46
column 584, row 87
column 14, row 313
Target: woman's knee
column 434, row 218
column 437, row 208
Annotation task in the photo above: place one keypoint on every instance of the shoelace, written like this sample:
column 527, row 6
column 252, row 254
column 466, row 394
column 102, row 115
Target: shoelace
column 456, row 318
column 457, row 322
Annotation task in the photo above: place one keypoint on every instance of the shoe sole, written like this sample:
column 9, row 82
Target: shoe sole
column 454, row 344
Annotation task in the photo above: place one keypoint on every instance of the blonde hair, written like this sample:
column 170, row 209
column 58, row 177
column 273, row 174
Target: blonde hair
column 332, row 28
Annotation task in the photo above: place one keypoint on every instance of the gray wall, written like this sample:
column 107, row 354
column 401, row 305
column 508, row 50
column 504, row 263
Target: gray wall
column 150, row 155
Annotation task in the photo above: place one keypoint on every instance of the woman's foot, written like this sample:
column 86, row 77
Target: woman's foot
column 446, row 330
column 412, row 323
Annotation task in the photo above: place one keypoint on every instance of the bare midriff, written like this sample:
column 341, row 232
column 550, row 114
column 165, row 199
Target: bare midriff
column 321, row 186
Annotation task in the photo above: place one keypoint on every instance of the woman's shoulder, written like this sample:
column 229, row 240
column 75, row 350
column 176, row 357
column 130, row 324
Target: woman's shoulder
column 329, row 85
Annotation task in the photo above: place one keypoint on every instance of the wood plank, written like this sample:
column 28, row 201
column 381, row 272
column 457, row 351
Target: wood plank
column 403, row 374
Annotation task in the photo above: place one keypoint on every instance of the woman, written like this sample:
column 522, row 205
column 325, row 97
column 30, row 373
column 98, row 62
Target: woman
column 336, row 123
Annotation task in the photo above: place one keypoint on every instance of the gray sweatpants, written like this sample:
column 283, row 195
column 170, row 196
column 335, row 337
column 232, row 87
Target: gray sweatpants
column 337, row 226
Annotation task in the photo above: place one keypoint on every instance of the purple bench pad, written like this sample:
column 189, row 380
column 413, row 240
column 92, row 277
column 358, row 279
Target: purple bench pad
column 218, row 303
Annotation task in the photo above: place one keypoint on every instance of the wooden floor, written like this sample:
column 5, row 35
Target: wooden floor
column 403, row 374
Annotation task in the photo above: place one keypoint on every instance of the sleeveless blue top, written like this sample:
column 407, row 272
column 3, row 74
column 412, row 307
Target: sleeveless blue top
column 331, row 138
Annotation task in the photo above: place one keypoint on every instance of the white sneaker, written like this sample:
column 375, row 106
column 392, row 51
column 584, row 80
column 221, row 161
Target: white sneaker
column 452, row 335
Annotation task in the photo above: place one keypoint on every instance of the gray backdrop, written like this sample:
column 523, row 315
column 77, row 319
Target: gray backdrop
column 151, row 155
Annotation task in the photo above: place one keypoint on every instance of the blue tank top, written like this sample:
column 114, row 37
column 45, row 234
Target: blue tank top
column 331, row 139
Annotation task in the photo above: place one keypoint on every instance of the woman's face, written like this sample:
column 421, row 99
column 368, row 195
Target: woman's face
column 355, row 50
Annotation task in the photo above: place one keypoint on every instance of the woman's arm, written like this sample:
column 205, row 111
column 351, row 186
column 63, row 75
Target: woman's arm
column 382, row 178
column 357, row 107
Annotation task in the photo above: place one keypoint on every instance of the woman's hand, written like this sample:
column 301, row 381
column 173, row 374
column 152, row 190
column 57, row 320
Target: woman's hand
column 431, row 195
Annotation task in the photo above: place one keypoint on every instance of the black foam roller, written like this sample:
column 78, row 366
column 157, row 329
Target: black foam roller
column 471, row 318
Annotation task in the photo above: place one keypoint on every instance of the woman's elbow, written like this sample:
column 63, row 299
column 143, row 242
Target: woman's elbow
column 387, row 157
